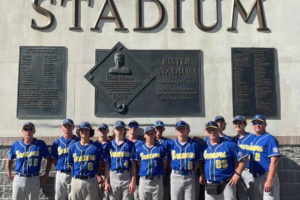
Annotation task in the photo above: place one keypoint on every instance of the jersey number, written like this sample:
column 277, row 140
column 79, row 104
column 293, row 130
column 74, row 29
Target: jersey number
column 35, row 162
column 221, row 164
column 90, row 166
column 257, row 157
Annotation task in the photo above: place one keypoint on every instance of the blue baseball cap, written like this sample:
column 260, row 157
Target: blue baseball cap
column 68, row 121
column 85, row 125
column 182, row 123
column 159, row 123
column 29, row 124
column 133, row 124
column 211, row 124
column 119, row 124
column 219, row 118
column 259, row 117
column 149, row 128
column 102, row 125
column 240, row 118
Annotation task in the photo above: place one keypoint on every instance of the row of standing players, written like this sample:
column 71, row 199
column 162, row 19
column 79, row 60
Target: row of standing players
column 242, row 167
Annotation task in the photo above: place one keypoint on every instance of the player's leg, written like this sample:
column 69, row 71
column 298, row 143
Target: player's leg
column 229, row 192
column 61, row 189
column 91, row 191
column 125, row 182
column 158, row 189
column 247, row 182
column 258, row 189
column 142, row 189
column 33, row 186
column 189, row 187
column 76, row 189
column 19, row 188
column 176, row 186
column 115, row 191
column 274, row 194
column 213, row 197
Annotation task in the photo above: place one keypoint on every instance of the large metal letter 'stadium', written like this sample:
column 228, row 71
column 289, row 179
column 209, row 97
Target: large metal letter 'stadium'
column 139, row 19
column 198, row 19
column 43, row 11
column 115, row 16
column 245, row 16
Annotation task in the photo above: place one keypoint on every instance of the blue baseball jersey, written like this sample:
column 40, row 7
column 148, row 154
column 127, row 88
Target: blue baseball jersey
column 183, row 157
column 85, row 159
column 263, row 147
column 138, row 143
column 151, row 159
column 29, row 157
column 165, row 142
column 107, row 147
column 122, row 155
column 220, row 160
column 244, row 143
column 60, row 149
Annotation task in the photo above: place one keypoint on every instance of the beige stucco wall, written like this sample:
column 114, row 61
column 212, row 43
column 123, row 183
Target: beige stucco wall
column 281, row 17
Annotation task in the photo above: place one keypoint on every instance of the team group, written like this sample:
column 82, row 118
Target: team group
column 241, row 167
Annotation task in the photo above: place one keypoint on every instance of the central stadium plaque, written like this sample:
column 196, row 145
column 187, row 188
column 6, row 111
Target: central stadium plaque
column 147, row 82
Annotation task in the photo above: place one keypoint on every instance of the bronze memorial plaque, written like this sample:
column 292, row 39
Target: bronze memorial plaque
column 41, row 86
column 147, row 82
column 253, row 80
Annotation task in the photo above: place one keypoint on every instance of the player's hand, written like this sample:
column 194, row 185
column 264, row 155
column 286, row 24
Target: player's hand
column 107, row 188
column 234, row 180
column 11, row 177
column 131, row 187
column 202, row 179
column 100, row 180
column 268, row 186
column 43, row 179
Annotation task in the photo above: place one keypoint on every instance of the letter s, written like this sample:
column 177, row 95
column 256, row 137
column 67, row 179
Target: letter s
column 43, row 11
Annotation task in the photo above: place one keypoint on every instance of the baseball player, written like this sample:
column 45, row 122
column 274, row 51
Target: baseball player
column 160, row 128
column 133, row 128
column 185, row 155
column 28, row 153
column 151, row 157
column 120, row 181
column 107, row 148
column 85, row 159
column 244, row 188
column 220, row 120
column 265, row 150
column 221, row 173
column 59, row 154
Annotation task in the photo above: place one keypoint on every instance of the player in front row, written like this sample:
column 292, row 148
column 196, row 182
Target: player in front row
column 28, row 153
column 265, row 150
column 221, row 173
column 59, row 154
column 85, row 159
column 152, row 159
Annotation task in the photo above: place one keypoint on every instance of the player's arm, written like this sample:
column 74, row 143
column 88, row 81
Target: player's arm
column 107, row 178
column 202, row 178
column 272, row 170
column 100, row 169
column 54, row 161
column 133, row 177
column 44, row 178
column 238, row 171
column 8, row 169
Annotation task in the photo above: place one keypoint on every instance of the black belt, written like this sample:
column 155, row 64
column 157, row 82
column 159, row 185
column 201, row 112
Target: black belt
column 27, row 175
column 151, row 177
column 83, row 177
column 65, row 171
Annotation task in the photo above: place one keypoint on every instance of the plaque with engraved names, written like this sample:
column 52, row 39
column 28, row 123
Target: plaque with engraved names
column 254, row 82
column 41, row 84
column 130, row 83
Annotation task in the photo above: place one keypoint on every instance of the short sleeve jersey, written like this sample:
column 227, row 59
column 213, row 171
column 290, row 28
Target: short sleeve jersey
column 151, row 159
column 60, row 149
column 263, row 147
column 29, row 156
column 220, row 160
column 85, row 159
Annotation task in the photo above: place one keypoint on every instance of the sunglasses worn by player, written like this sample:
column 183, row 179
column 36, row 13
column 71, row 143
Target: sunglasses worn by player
column 257, row 123
column 28, row 129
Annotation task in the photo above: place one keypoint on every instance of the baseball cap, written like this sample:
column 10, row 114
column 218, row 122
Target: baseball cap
column 159, row 123
column 219, row 118
column 119, row 124
column 149, row 128
column 68, row 121
column 211, row 124
column 239, row 118
column 133, row 124
column 102, row 125
column 29, row 124
column 182, row 123
column 85, row 125
column 259, row 117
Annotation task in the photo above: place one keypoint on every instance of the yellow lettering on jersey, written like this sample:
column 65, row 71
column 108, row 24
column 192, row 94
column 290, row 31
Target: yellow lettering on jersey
column 149, row 156
column 182, row 155
column 83, row 158
column 214, row 155
column 61, row 151
column 256, row 148
column 119, row 154
column 27, row 154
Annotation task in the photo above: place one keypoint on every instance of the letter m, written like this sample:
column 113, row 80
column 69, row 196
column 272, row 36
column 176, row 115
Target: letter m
column 245, row 16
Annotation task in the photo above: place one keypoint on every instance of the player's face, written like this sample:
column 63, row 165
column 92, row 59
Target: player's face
column 212, row 133
column 119, row 131
column 67, row 129
column 259, row 127
column 133, row 129
column 28, row 133
column 159, row 131
column 149, row 136
column 102, row 132
column 182, row 131
column 84, row 133
column 239, row 125
column 221, row 124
